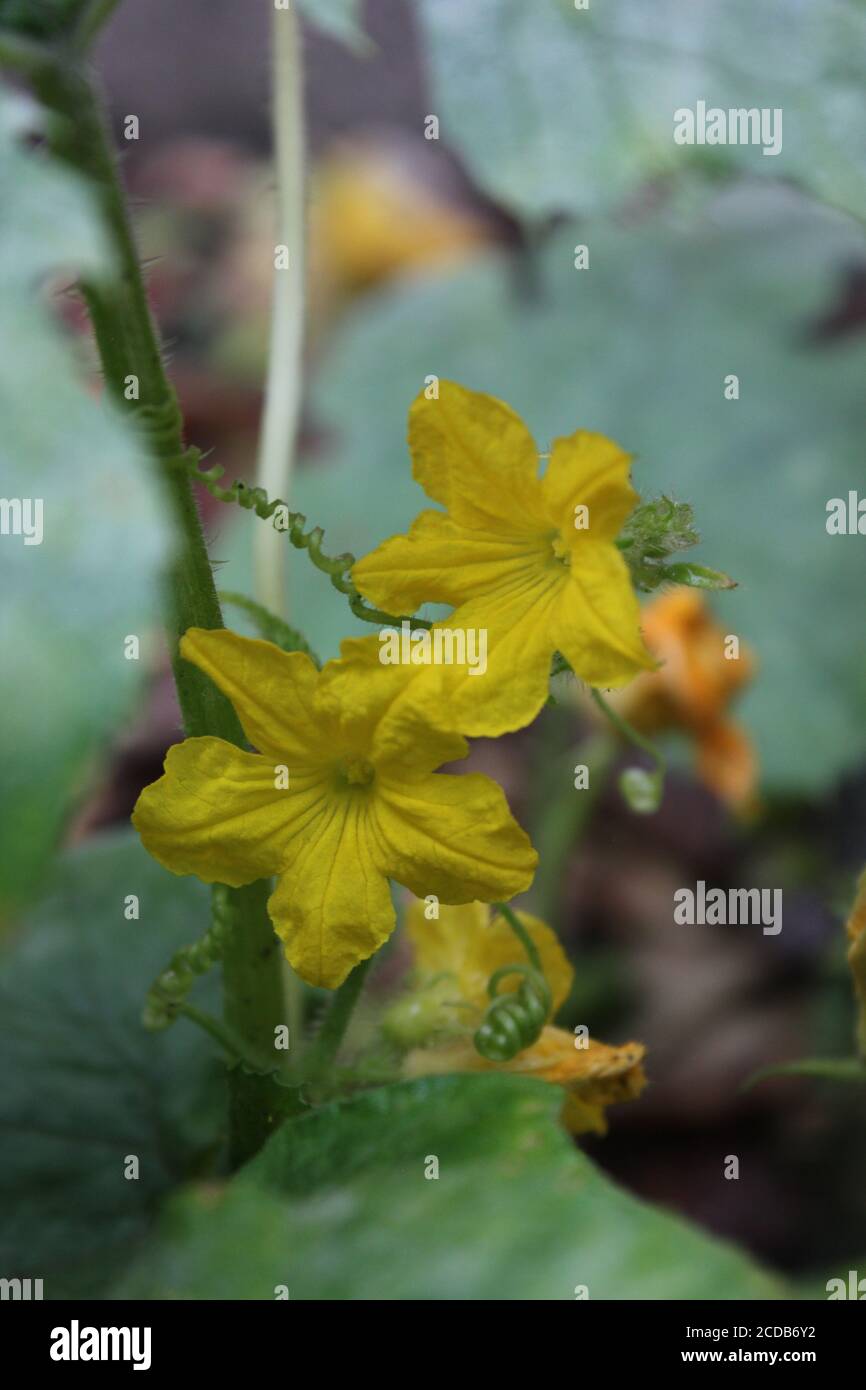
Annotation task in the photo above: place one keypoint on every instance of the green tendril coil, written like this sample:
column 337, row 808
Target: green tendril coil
column 513, row 1021
column 170, row 989
column 336, row 567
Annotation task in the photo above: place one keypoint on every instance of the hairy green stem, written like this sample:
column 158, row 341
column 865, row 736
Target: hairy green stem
column 135, row 377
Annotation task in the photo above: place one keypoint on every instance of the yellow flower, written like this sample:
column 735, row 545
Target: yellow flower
column 466, row 945
column 362, row 803
column 692, row 689
column 372, row 218
column 529, row 559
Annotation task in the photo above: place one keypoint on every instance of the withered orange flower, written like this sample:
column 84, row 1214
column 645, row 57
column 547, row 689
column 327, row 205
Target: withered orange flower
column 692, row 690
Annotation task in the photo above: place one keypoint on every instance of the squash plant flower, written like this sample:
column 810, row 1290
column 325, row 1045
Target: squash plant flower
column 455, row 955
column 530, row 559
column 692, row 690
column 339, row 797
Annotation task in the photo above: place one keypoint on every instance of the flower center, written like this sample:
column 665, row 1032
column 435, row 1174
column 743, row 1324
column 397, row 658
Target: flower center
column 561, row 553
column 357, row 772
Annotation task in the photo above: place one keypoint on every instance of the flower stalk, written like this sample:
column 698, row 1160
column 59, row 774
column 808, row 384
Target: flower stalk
column 283, row 388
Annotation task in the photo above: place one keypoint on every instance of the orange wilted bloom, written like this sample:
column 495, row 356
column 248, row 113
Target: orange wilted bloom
column 692, row 691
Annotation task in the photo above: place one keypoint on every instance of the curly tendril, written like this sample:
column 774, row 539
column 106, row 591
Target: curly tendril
column 167, row 994
column 336, row 567
column 513, row 1021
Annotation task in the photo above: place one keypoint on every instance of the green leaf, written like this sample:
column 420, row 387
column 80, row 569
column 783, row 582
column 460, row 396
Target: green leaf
column 337, row 1206
column 556, row 109
column 696, row 576
column 69, row 601
column 339, row 18
column 638, row 348
column 268, row 625
column 84, row 1085
column 827, row 1068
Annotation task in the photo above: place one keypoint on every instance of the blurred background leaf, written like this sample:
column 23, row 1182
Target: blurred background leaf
column 556, row 109
column 340, row 18
column 337, row 1206
column 70, row 601
column 40, row 19
column 85, row 1086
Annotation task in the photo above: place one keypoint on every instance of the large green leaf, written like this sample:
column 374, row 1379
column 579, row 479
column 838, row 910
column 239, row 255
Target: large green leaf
column 559, row 109
column 84, row 1085
column 638, row 347
column 67, row 602
column 337, row 1206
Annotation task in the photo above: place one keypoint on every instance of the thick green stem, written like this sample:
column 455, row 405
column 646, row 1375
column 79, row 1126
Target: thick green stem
column 136, row 379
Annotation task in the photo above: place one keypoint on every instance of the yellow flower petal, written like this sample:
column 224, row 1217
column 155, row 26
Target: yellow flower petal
column 596, row 623
column 215, row 813
column 438, row 561
column 332, row 907
column 472, row 453
column 589, row 470
column 443, row 944
column 515, row 684
column 471, row 942
column 451, row 836
column 379, row 708
column 272, row 690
